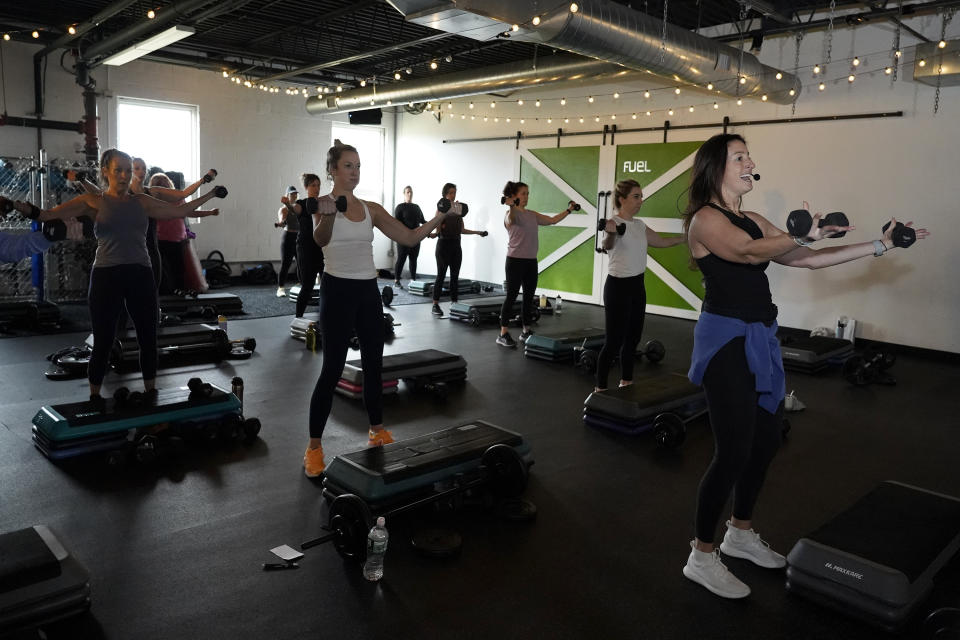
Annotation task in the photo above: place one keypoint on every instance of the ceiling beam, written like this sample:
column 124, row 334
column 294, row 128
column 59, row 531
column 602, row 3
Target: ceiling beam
column 328, row 17
column 105, row 14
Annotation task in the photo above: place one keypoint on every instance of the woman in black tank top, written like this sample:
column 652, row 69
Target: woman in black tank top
column 129, row 281
column 735, row 354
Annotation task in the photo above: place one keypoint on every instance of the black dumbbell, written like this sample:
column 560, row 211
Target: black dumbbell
column 54, row 230
column 120, row 396
column 653, row 350
column 443, row 205
column 207, row 177
column 220, row 191
column 199, row 387
column 279, row 225
column 870, row 367
column 484, row 234
column 514, row 201
column 621, row 226
column 903, row 236
column 386, row 295
column 464, row 209
column 573, row 206
column 341, row 203
column 800, row 221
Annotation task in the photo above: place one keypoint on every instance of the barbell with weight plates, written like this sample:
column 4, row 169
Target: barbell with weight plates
column 870, row 367
column 350, row 518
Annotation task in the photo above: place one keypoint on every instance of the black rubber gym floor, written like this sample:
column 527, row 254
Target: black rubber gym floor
column 175, row 550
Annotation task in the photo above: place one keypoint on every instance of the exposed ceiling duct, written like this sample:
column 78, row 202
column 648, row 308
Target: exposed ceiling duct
column 497, row 79
column 607, row 31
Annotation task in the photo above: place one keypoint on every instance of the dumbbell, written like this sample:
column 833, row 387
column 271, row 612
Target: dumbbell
column 341, row 203
column 800, row 221
column 54, row 230
column 653, row 350
column 199, row 387
column 870, row 367
column 220, row 191
column 249, row 343
column 903, row 236
column 123, row 397
column 279, row 225
column 573, row 206
column 443, row 205
column 386, row 295
column 484, row 234
column 621, row 226
column 207, row 177
column 514, row 202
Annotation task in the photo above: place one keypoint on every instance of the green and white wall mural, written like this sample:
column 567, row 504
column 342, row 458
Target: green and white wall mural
column 568, row 262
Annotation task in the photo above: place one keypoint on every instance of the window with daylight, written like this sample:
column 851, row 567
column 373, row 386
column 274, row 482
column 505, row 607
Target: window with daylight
column 369, row 143
column 164, row 134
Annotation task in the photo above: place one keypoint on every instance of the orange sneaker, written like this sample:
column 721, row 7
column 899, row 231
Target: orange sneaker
column 313, row 464
column 378, row 438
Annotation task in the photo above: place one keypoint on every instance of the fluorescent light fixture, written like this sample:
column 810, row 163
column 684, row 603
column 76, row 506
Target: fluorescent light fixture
column 159, row 41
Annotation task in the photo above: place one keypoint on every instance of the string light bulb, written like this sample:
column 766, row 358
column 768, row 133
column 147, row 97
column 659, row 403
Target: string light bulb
column 574, row 7
column 793, row 92
column 581, row 120
column 649, row 114
column 549, row 120
column 670, row 112
column 888, row 70
column 493, row 105
column 151, row 14
column 72, row 30
column 897, row 53
column 942, row 44
column 851, row 78
column 520, row 102
column 779, row 76
column 536, row 21
column 739, row 102
column 596, row 119
column 764, row 97
column 677, row 91
column 226, row 75
column 396, row 76
column 590, row 99
column 515, row 28
column 521, row 120
column 922, row 63
column 409, row 70
column 690, row 109
column 463, row 116
column 471, row 105
column 537, row 103
column 433, row 64
column 339, row 88
column 35, row 34
column 821, row 86
column 566, row 120
column 716, row 106
column 6, row 37
column 856, row 61
column 646, row 94
column 816, row 69
column 448, row 58
column 709, row 86
column 563, row 101
column 613, row 116
column 743, row 80
column 363, row 83
column 449, row 105
column 616, row 95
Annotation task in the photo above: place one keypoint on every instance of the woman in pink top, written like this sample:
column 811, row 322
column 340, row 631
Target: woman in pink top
column 521, row 267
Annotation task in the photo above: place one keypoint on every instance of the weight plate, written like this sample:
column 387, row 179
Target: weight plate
column 351, row 520
column 669, row 431
column 654, row 350
column 505, row 470
column 387, row 295
column 437, row 543
column 475, row 317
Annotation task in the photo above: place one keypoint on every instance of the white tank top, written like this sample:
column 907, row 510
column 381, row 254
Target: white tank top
column 350, row 251
column 628, row 257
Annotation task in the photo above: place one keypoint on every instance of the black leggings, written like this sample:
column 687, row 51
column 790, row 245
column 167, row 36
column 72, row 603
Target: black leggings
column 110, row 288
column 346, row 305
column 172, row 271
column 404, row 252
column 625, row 305
column 449, row 254
column 288, row 252
column 746, row 438
column 310, row 265
column 520, row 272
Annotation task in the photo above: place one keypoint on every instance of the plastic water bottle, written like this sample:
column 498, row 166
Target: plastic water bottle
column 559, row 307
column 376, row 548
column 222, row 322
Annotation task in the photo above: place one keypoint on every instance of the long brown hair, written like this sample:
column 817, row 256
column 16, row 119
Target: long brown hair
column 706, row 177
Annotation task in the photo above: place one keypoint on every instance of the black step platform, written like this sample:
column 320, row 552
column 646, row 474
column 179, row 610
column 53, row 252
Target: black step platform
column 76, row 428
column 208, row 305
column 429, row 370
column 487, row 310
column 876, row 561
column 563, row 345
column 407, row 469
column 663, row 402
column 424, row 286
column 812, row 354
column 200, row 341
column 40, row 581
column 29, row 314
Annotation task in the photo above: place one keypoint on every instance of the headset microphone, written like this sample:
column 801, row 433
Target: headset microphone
column 756, row 176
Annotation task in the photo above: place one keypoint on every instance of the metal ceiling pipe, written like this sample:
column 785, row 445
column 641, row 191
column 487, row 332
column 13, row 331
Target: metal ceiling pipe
column 125, row 37
column 512, row 76
column 607, row 31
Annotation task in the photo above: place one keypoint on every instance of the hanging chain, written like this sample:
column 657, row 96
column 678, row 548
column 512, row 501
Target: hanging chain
column 742, row 26
column 828, row 39
column 947, row 17
column 663, row 36
column 896, row 43
column 796, row 66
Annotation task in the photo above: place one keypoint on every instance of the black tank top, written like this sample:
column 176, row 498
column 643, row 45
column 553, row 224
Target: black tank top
column 737, row 289
column 308, row 207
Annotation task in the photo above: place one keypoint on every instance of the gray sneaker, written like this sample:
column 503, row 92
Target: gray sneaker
column 748, row 545
column 707, row 570
column 506, row 341
column 524, row 335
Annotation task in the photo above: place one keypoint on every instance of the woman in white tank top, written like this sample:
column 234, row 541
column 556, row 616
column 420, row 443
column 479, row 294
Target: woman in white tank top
column 349, row 298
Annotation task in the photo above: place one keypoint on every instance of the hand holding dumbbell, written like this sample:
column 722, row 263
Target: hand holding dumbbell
column 54, row 230
column 833, row 225
column 484, row 234
column 573, row 206
column 443, row 205
column 460, row 208
column 610, row 226
column 210, row 176
column 26, row 209
column 220, row 191
column 514, row 202
column 902, row 235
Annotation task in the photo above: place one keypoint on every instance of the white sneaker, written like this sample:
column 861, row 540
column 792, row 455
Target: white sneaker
column 707, row 570
column 281, row 292
column 792, row 403
column 747, row 544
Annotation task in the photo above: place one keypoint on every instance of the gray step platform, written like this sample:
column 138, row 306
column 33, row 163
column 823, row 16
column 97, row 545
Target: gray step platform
column 424, row 287
column 563, row 345
column 811, row 354
column 876, row 561
column 633, row 409
column 426, row 367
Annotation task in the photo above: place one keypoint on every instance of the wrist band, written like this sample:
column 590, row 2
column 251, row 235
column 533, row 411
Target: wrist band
column 799, row 242
column 879, row 248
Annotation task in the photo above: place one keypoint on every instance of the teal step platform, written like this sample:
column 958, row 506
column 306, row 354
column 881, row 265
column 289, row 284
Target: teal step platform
column 424, row 287
column 480, row 311
column 559, row 346
column 407, row 470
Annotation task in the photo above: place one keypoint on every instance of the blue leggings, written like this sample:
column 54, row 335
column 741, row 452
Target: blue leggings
column 346, row 305
column 746, row 438
column 110, row 288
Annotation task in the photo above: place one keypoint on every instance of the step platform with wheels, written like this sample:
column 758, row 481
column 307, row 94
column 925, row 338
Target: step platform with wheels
column 199, row 411
column 813, row 354
column 428, row 370
column 424, row 287
column 664, row 405
column 563, row 345
column 386, row 294
column 205, row 305
column 876, row 560
column 408, row 470
column 479, row 311
column 179, row 343
column 40, row 581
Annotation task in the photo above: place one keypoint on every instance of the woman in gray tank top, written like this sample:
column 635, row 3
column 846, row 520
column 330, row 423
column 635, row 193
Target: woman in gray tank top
column 121, row 273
